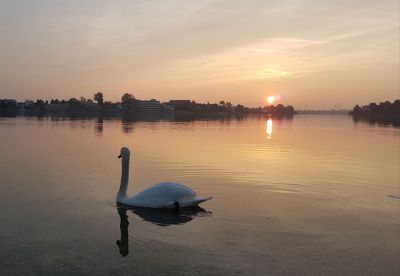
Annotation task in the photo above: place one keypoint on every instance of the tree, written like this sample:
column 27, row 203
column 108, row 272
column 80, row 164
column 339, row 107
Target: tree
column 74, row 104
column 240, row 108
column 290, row 110
column 222, row 103
column 98, row 97
column 127, row 98
column 128, row 102
column 357, row 110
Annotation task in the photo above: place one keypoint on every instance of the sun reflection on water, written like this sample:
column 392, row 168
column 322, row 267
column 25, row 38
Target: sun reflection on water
column 269, row 128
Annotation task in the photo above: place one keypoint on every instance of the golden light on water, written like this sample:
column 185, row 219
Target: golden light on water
column 271, row 99
column 269, row 128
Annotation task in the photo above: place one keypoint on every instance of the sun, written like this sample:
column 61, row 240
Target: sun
column 270, row 99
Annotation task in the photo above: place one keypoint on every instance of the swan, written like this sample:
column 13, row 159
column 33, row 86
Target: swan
column 161, row 195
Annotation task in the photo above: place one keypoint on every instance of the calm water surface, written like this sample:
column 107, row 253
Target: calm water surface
column 315, row 195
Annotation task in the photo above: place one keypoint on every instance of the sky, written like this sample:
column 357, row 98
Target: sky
column 317, row 53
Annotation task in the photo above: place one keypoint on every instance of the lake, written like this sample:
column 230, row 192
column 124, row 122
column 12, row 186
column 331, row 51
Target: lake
column 315, row 195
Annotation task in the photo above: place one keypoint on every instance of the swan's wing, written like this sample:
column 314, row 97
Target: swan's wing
column 166, row 190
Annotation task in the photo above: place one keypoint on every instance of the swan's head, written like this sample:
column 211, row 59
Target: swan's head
column 125, row 153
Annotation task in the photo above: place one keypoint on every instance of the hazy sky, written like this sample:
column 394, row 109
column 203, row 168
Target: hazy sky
column 313, row 52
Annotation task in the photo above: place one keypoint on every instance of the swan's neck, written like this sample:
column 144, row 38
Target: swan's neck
column 124, row 179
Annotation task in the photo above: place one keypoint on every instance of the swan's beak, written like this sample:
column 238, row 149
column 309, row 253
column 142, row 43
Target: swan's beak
column 119, row 156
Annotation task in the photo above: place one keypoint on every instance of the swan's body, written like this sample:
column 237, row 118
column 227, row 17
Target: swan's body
column 164, row 195
column 161, row 195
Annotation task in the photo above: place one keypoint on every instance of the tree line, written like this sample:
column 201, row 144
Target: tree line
column 384, row 112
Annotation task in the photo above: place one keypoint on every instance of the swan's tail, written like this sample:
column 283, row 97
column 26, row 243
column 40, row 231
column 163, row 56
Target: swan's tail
column 199, row 200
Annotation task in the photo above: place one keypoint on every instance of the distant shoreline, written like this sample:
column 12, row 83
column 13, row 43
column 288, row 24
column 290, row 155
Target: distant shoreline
column 129, row 105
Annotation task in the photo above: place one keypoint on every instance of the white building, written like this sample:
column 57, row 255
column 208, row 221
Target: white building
column 150, row 105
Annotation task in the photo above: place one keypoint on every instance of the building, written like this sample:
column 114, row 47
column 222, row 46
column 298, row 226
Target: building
column 166, row 107
column 181, row 104
column 29, row 104
column 8, row 107
column 8, row 103
column 60, row 107
column 150, row 105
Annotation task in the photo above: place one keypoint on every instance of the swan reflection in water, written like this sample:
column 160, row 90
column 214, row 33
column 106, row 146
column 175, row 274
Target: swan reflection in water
column 159, row 217
column 123, row 243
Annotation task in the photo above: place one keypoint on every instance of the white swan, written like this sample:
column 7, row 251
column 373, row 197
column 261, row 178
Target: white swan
column 161, row 195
